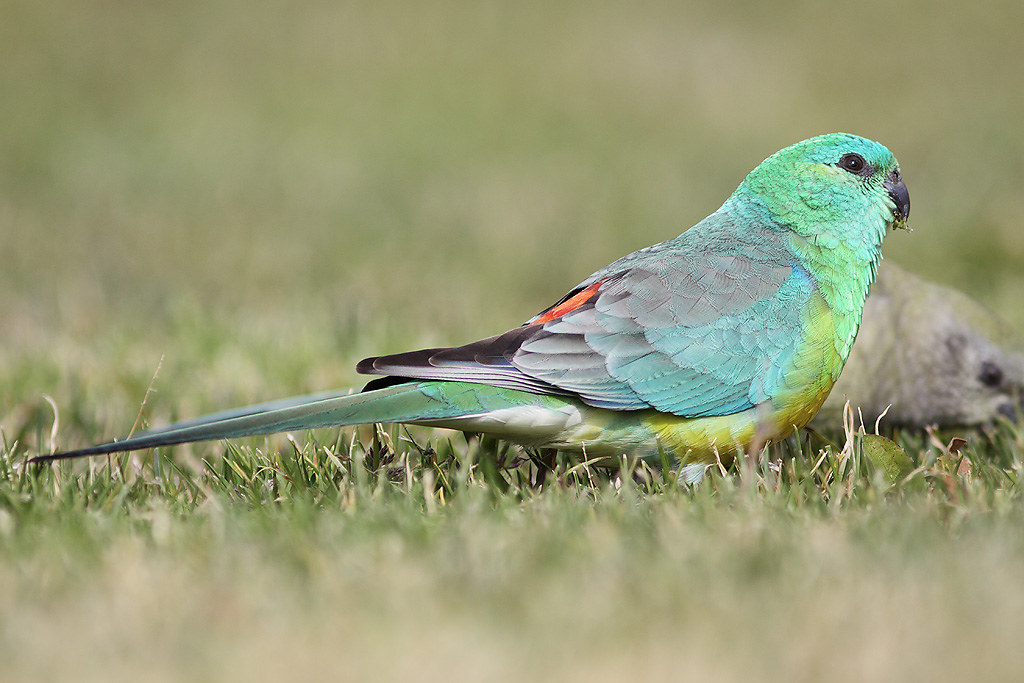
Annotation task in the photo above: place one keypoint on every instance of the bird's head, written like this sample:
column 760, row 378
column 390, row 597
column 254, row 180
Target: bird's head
column 839, row 184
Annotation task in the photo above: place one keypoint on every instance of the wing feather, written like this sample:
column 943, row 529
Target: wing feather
column 687, row 331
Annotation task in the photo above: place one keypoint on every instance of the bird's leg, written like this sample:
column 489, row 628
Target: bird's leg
column 762, row 436
column 544, row 460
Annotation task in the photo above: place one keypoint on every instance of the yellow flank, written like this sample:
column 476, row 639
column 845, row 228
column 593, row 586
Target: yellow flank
column 700, row 439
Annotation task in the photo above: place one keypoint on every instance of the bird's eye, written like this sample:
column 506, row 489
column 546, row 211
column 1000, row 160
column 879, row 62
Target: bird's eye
column 853, row 162
column 991, row 375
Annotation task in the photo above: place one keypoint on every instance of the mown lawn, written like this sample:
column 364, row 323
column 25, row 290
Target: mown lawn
column 306, row 562
column 244, row 200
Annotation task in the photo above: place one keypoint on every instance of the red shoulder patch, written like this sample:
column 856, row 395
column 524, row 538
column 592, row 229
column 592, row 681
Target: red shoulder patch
column 571, row 304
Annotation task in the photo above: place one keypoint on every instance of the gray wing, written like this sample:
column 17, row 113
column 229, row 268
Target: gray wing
column 693, row 334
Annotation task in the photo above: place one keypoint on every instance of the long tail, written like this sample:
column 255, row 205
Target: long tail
column 422, row 402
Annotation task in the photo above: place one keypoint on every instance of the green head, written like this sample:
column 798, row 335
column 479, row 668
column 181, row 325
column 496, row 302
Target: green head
column 834, row 188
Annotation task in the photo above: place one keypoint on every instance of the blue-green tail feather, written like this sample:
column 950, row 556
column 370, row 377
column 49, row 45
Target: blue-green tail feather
column 413, row 402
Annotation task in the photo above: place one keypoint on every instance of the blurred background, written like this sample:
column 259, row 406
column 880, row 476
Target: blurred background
column 263, row 193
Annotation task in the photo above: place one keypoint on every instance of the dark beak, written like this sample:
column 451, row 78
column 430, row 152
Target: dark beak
column 898, row 191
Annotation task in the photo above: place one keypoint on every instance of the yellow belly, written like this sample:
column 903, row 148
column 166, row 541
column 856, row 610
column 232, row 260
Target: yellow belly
column 720, row 438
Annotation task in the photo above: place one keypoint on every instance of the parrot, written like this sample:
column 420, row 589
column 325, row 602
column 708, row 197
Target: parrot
column 700, row 348
column 928, row 354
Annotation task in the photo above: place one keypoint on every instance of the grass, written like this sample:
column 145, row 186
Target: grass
column 251, row 199
column 349, row 559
